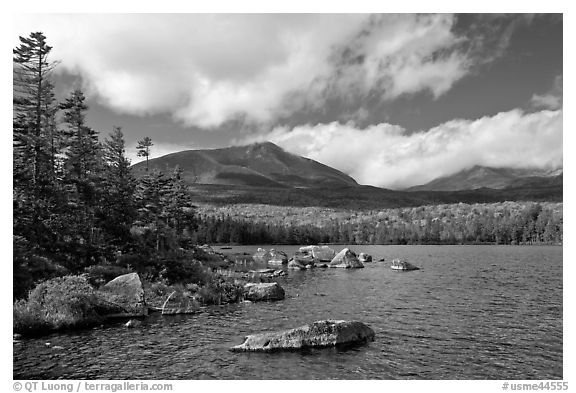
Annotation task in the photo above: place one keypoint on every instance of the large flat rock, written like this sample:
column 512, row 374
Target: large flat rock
column 320, row 334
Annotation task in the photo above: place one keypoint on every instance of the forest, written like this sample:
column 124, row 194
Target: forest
column 78, row 209
column 461, row 223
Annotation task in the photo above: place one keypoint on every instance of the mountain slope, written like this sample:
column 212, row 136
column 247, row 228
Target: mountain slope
column 256, row 165
column 495, row 178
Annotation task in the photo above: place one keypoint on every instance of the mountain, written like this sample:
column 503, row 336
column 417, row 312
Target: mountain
column 256, row 165
column 495, row 178
column 263, row 173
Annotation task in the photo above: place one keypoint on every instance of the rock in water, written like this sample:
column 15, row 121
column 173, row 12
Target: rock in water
column 295, row 264
column 277, row 257
column 363, row 257
column 263, row 291
column 346, row 259
column 261, row 256
column 317, row 334
column 133, row 323
column 319, row 253
column 323, row 253
column 126, row 293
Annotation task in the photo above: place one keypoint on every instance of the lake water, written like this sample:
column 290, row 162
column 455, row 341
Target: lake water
column 471, row 312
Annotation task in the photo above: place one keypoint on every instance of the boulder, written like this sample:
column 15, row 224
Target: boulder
column 327, row 333
column 303, row 258
column 277, row 258
column 125, row 295
column 263, row 291
column 323, row 253
column 294, row 265
column 319, row 253
column 133, row 323
column 363, row 257
column 346, row 259
column 261, row 256
column 278, row 273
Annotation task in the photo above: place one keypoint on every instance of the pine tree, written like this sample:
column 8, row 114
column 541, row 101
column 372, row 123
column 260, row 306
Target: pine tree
column 118, row 205
column 34, row 131
column 37, row 145
column 143, row 148
column 83, row 171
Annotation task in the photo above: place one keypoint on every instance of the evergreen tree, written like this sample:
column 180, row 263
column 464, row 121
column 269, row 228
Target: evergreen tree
column 34, row 131
column 37, row 145
column 143, row 148
column 118, row 205
column 83, row 172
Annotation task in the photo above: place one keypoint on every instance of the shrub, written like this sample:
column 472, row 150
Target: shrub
column 220, row 291
column 59, row 303
column 180, row 268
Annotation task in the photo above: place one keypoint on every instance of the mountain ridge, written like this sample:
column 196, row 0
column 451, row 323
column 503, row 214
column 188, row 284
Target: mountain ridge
column 259, row 164
column 479, row 177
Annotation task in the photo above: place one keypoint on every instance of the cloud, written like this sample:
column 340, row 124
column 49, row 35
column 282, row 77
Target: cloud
column 551, row 99
column 209, row 69
column 388, row 156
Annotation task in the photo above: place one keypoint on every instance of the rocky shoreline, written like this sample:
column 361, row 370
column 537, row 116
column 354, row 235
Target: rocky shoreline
column 128, row 296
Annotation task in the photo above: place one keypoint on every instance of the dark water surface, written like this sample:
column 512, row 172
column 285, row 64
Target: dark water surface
column 472, row 312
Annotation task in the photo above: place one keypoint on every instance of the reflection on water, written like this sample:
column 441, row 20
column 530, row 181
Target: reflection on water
column 471, row 312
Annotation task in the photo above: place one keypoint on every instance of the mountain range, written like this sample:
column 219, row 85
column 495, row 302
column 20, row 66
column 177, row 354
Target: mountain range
column 495, row 178
column 265, row 173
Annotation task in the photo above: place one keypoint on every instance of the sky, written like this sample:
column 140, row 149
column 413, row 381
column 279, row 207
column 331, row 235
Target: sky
column 394, row 100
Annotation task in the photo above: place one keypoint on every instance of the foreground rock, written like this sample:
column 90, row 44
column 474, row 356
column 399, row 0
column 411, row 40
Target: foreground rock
column 346, row 259
column 263, row 291
column 125, row 296
column 317, row 334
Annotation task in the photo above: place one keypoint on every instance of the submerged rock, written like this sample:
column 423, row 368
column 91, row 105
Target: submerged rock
column 317, row 334
column 346, row 259
column 263, row 291
column 125, row 295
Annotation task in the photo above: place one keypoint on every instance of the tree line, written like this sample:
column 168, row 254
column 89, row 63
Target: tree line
column 497, row 223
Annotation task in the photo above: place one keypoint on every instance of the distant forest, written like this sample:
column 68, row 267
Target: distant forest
column 497, row 223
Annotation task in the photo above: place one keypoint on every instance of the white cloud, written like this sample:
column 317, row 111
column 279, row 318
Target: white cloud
column 551, row 99
column 207, row 69
column 387, row 155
